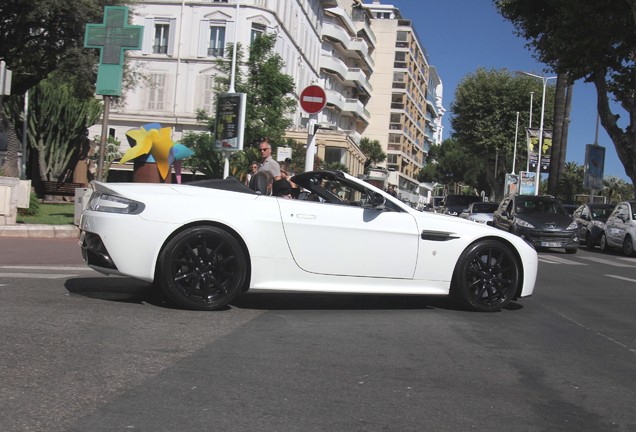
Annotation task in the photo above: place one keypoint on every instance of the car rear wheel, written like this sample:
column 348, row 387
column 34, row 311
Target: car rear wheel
column 202, row 268
column 628, row 246
column 486, row 277
column 602, row 244
column 571, row 250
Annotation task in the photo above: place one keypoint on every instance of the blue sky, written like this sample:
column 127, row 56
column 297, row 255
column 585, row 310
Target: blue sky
column 462, row 35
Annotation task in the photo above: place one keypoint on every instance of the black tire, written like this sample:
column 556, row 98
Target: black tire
column 628, row 246
column 487, row 276
column 588, row 240
column 571, row 251
column 602, row 243
column 202, row 268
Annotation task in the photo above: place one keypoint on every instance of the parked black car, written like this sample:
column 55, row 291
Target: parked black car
column 591, row 220
column 540, row 220
column 454, row 204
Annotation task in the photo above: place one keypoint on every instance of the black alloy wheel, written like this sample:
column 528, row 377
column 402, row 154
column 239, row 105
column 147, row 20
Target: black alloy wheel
column 487, row 276
column 602, row 244
column 202, row 268
column 628, row 246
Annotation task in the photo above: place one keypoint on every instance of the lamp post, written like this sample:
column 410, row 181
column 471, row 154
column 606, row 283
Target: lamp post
column 544, row 80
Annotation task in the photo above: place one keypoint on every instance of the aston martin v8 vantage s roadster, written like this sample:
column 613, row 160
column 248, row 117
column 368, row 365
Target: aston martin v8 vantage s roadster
column 205, row 242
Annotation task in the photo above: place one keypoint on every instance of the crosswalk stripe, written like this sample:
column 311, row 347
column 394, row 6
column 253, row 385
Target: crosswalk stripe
column 37, row 275
column 606, row 261
column 622, row 278
column 558, row 260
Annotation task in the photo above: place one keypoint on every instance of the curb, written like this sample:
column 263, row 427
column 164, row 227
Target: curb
column 39, row 231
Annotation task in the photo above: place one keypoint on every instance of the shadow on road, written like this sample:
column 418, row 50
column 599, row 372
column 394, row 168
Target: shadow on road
column 119, row 289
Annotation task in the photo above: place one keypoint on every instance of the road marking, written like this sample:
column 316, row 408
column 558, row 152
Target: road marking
column 606, row 261
column 622, row 278
column 36, row 275
column 62, row 268
column 551, row 259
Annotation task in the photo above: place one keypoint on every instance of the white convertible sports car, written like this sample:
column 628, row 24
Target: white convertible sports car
column 203, row 243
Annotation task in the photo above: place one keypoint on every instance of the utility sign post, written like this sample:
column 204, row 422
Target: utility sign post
column 312, row 100
column 112, row 38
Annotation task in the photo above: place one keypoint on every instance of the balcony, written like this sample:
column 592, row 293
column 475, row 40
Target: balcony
column 359, row 45
column 356, row 107
column 354, row 77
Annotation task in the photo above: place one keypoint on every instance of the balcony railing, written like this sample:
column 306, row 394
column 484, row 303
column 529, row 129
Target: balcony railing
column 160, row 49
column 216, row 52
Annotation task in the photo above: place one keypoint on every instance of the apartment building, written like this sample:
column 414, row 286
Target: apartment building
column 317, row 39
column 406, row 106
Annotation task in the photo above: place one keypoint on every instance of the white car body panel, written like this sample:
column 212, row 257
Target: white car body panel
column 287, row 242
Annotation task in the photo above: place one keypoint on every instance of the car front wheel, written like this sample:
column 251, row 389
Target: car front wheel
column 486, row 277
column 602, row 244
column 628, row 246
column 202, row 268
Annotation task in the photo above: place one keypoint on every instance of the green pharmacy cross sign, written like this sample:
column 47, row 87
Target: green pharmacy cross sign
column 112, row 38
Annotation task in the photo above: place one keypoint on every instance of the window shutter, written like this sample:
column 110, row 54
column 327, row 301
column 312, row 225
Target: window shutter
column 149, row 32
column 204, row 38
column 171, row 38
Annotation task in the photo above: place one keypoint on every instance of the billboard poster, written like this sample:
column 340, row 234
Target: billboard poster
column 230, row 122
column 594, row 167
column 512, row 184
column 532, row 136
column 527, row 183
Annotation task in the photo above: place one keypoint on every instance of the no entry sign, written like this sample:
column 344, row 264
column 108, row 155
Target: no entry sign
column 313, row 99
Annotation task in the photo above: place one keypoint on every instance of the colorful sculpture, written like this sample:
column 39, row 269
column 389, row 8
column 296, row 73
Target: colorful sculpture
column 153, row 140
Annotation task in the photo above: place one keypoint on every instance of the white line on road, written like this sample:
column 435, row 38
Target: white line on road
column 62, row 268
column 622, row 278
column 36, row 275
column 606, row 261
column 550, row 259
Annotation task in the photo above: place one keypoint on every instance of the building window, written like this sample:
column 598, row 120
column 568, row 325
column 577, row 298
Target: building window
column 336, row 155
column 157, row 92
column 257, row 30
column 208, row 94
column 162, row 34
column 217, row 41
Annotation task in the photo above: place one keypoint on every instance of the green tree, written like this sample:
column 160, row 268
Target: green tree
column 484, row 122
column 268, row 90
column 39, row 37
column 372, row 150
column 58, row 122
column 571, row 182
column 592, row 40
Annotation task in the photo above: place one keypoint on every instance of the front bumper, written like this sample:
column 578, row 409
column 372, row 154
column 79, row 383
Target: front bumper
column 549, row 239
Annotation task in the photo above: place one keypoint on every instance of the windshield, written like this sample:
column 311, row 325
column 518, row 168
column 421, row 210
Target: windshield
column 485, row 207
column 601, row 212
column 538, row 205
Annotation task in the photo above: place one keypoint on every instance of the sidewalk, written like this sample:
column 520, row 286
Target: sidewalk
column 39, row 231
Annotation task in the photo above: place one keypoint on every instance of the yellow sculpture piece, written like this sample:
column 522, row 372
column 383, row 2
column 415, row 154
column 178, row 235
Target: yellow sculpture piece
column 157, row 142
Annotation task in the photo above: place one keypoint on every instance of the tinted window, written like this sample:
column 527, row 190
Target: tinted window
column 484, row 207
column 539, row 205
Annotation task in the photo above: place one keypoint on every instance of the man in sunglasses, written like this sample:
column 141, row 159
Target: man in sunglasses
column 267, row 162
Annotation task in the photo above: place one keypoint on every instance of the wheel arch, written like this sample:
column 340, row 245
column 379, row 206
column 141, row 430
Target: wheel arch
column 510, row 246
column 215, row 224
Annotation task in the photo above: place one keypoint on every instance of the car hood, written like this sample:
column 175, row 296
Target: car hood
column 547, row 220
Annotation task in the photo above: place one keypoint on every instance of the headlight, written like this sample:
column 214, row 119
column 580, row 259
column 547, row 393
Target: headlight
column 103, row 202
column 598, row 224
column 572, row 226
column 523, row 223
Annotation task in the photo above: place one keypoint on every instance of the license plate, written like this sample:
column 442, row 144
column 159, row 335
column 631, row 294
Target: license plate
column 551, row 244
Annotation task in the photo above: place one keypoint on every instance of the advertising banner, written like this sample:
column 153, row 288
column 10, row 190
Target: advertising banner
column 532, row 136
column 512, row 184
column 230, row 122
column 594, row 167
column 527, row 184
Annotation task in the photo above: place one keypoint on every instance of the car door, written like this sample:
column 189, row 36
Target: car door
column 504, row 222
column 616, row 225
column 347, row 240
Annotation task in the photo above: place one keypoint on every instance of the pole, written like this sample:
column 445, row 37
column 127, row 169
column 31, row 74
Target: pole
column 540, row 149
column 226, row 162
column 514, row 153
column 24, row 135
column 103, row 140
column 311, row 143
column 529, row 126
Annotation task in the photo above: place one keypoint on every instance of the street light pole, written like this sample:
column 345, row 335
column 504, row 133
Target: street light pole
column 544, row 79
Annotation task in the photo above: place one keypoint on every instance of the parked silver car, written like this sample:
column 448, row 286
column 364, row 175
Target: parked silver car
column 620, row 229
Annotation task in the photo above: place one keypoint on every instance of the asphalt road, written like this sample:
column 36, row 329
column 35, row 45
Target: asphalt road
column 84, row 352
